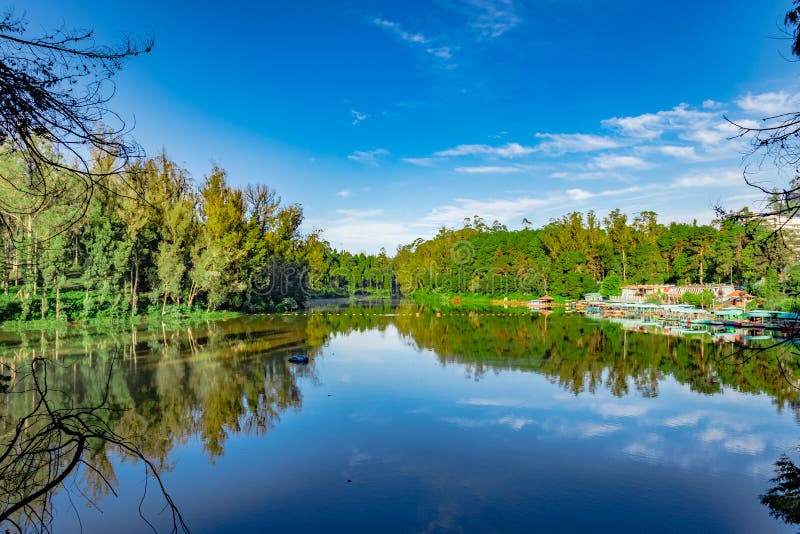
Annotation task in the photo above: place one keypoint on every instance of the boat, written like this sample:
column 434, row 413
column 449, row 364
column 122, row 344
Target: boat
column 298, row 358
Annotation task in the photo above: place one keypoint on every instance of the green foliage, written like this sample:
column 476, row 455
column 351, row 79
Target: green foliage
column 704, row 299
column 611, row 286
column 576, row 254
column 150, row 239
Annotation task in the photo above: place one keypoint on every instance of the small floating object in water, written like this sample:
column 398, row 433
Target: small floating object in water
column 298, row 358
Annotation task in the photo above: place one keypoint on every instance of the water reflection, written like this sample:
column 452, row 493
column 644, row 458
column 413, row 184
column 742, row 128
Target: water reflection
column 783, row 498
column 212, row 382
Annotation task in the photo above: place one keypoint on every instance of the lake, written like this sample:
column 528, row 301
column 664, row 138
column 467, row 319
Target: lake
column 407, row 421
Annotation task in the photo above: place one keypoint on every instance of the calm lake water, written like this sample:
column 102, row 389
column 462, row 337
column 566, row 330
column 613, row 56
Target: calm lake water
column 405, row 421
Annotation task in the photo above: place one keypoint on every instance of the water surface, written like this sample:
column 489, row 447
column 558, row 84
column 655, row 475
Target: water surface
column 405, row 421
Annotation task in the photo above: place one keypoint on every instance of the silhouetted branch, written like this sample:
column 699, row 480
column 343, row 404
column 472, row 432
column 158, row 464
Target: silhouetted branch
column 54, row 94
column 41, row 449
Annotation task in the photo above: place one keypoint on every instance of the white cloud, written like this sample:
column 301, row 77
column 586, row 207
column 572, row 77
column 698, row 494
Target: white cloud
column 750, row 444
column 366, row 230
column 442, row 52
column 652, row 125
column 491, row 402
column 575, row 176
column 493, row 18
column 564, row 143
column 488, row 169
column 358, row 116
column 516, row 423
column 770, row 104
column 674, row 151
column 591, row 430
column 491, row 210
column 687, row 419
column 711, row 134
column 620, row 410
column 343, row 193
column 713, row 434
column 421, row 162
column 368, row 157
column 414, row 38
column 579, row 194
column 399, row 31
column 608, row 162
column 359, row 214
column 712, row 178
column 509, row 150
column 642, row 450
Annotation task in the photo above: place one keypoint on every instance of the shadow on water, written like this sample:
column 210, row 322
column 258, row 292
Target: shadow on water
column 162, row 388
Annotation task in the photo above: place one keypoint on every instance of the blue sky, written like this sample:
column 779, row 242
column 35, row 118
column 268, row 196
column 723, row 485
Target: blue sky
column 388, row 120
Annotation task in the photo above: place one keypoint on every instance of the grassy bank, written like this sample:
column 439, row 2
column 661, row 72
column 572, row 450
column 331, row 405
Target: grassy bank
column 173, row 315
column 443, row 301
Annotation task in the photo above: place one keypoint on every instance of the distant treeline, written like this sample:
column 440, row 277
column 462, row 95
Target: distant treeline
column 578, row 254
column 152, row 241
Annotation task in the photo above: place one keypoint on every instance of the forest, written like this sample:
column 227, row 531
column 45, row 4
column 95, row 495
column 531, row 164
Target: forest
column 577, row 254
column 152, row 242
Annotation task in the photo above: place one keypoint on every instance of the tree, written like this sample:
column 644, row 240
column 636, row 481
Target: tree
column 610, row 286
column 216, row 267
column 778, row 137
column 54, row 93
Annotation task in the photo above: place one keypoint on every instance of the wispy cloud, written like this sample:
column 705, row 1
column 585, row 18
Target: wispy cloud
column 488, row 169
column 770, row 104
column 652, row 125
column 749, row 444
column 583, row 175
column 709, row 178
column 493, row 18
column 368, row 157
column 358, row 116
column 366, row 230
column 415, row 38
column 582, row 194
column 609, row 409
column 395, row 28
column 516, row 423
column 422, row 162
column 493, row 209
column 675, row 151
column 564, row 143
column 360, row 214
column 593, row 430
column 710, row 135
column 509, row 150
column 608, row 162
column 343, row 193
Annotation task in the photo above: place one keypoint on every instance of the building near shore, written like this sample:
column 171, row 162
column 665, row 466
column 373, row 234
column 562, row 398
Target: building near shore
column 788, row 228
column 671, row 294
column 639, row 293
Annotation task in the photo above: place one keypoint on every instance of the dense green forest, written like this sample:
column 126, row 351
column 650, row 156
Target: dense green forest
column 148, row 239
column 152, row 241
column 578, row 253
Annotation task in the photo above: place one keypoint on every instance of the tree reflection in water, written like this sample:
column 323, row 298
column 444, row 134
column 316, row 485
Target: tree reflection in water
column 51, row 441
column 215, row 380
column 783, row 498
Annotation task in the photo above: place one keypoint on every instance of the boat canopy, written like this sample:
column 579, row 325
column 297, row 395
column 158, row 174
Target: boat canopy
column 731, row 311
column 763, row 313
